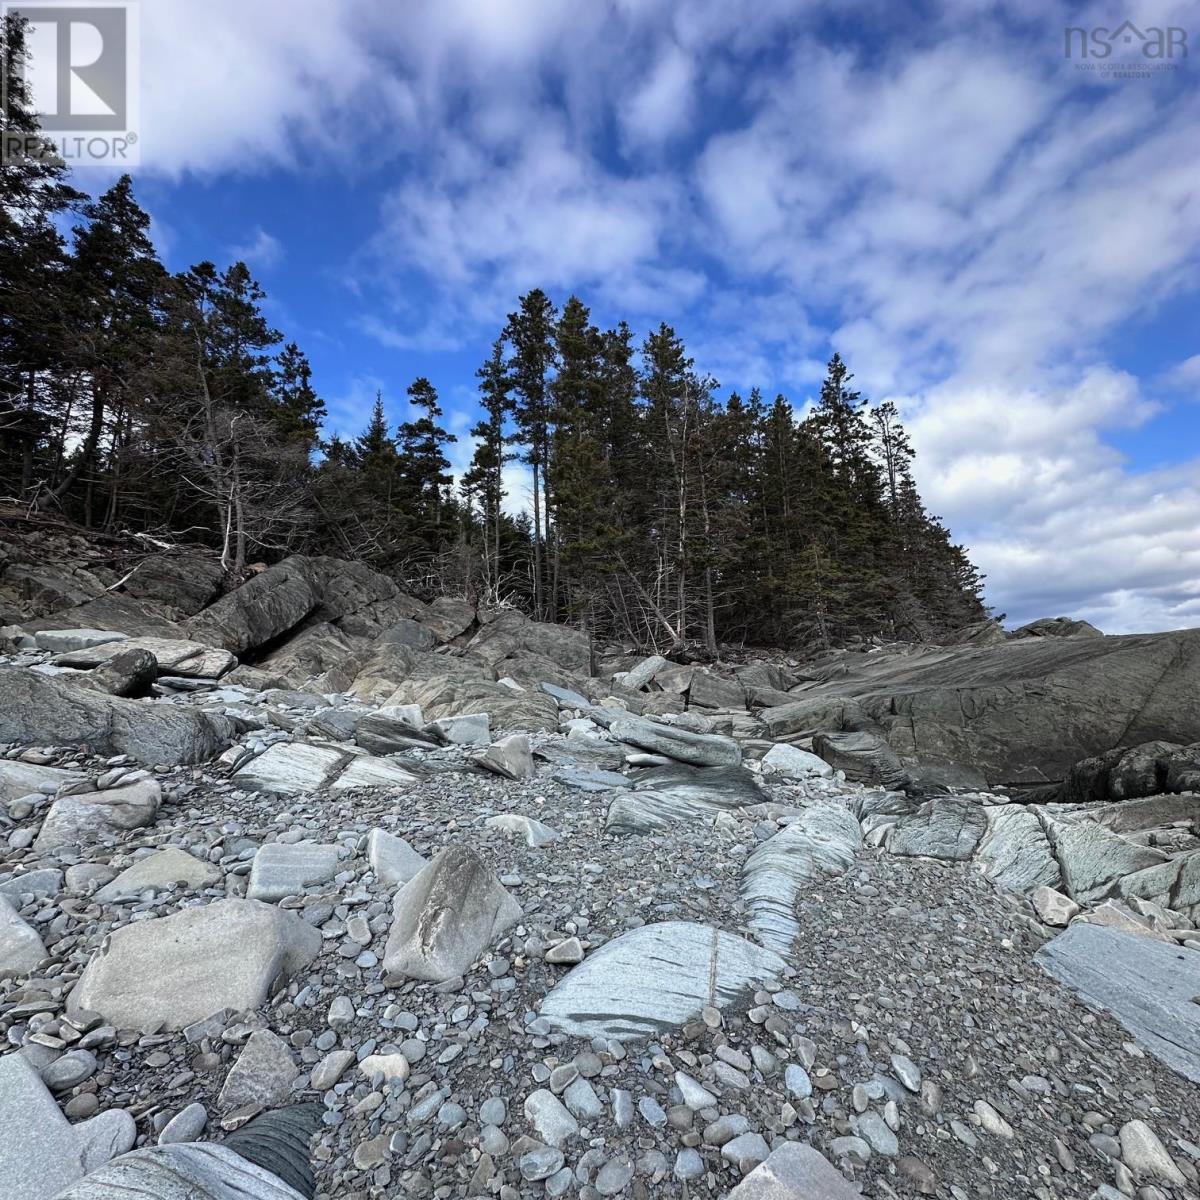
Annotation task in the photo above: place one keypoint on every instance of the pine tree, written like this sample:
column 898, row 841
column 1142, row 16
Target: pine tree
column 530, row 332
column 299, row 411
column 484, row 479
column 424, row 467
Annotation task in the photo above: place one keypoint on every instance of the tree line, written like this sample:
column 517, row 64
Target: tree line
column 652, row 508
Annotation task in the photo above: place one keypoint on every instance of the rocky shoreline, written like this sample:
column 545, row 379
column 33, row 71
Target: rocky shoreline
column 519, row 930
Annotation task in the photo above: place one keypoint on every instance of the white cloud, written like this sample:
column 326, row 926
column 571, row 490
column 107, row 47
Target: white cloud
column 959, row 213
column 263, row 250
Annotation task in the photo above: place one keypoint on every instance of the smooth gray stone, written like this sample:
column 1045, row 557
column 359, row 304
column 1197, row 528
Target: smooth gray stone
column 286, row 869
column 41, row 1152
column 446, row 916
column 819, row 845
column 640, row 674
column 466, row 729
column 365, row 771
column 82, row 818
column 185, row 1126
column 392, row 859
column 1093, row 859
column 18, row 779
column 698, row 749
column 160, row 871
column 21, row 947
column 534, row 833
column 1145, row 984
column 290, row 767
column 196, row 1171
column 791, row 762
column 795, row 1171
column 510, row 757
column 62, row 641
column 1015, row 853
column 46, row 881
column 655, row 978
column 565, row 696
column 949, row 827
column 174, row 971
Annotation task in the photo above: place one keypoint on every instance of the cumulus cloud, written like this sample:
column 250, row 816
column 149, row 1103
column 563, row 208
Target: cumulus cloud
column 969, row 220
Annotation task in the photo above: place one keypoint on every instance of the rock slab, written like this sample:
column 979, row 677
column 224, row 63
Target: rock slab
column 173, row 971
column 1145, row 984
column 655, row 978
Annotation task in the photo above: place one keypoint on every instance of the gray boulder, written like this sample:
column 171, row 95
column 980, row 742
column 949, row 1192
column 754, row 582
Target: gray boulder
column 862, row 757
column 795, row 1171
column 262, row 1076
column 61, row 641
column 160, row 871
column 84, row 817
column 820, row 844
column 285, row 869
column 263, row 608
column 21, row 948
column 698, row 749
column 1145, row 984
column 129, row 673
column 653, row 979
column 1093, row 858
column 510, row 757
column 1015, row 853
column 949, row 827
column 173, row 656
column 446, row 916
column 41, row 1153
column 170, row 972
column 709, row 690
column 391, row 730
column 18, row 779
column 1025, row 710
column 642, row 673
column 392, row 859
column 40, row 711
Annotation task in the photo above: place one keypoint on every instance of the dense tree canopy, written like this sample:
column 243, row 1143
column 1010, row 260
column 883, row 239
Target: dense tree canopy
column 658, row 511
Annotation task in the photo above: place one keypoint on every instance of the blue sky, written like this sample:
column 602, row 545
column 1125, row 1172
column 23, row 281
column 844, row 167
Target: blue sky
column 1001, row 242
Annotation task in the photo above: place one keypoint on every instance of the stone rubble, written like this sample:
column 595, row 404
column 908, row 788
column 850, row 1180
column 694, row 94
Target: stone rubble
column 519, row 931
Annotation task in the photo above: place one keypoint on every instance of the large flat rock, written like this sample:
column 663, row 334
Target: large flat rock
column 36, row 710
column 290, row 767
column 1145, row 984
column 820, row 844
column 174, row 656
column 655, row 978
column 1024, row 710
column 173, row 971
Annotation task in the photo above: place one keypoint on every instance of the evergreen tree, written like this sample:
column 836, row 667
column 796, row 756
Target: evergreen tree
column 424, row 467
column 531, row 334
